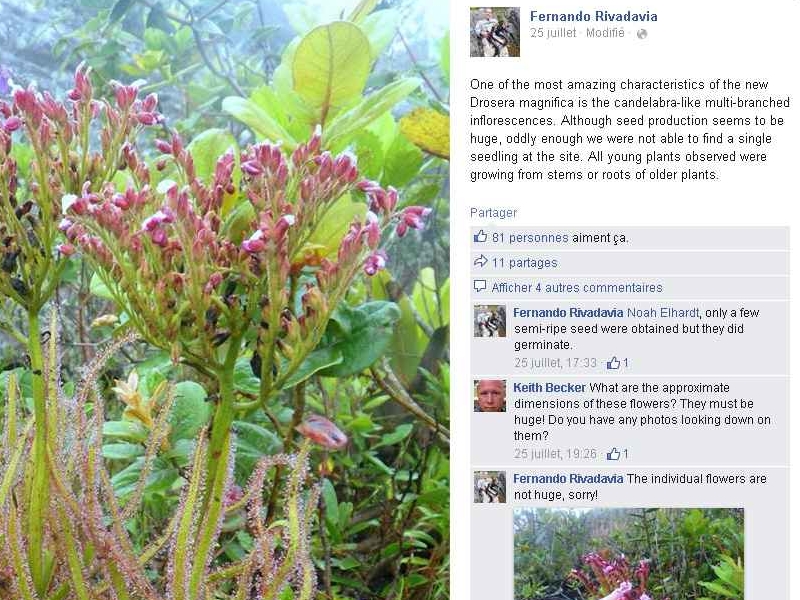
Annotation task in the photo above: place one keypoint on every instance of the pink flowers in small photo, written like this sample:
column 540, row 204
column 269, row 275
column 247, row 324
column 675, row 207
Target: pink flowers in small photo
column 628, row 553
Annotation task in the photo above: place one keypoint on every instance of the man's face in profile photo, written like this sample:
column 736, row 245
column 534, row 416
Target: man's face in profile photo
column 491, row 395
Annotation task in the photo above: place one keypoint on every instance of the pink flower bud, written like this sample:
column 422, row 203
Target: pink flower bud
column 372, row 230
column 316, row 140
column 367, row 186
column 375, row 262
column 66, row 249
column 213, row 282
column 12, row 124
column 150, row 102
column 164, row 146
column 391, row 199
column 325, row 163
column 414, row 216
column 255, row 243
column 159, row 237
column 164, row 215
column 71, row 203
column 283, row 224
column 120, row 201
column 252, row 168
column 148, row 118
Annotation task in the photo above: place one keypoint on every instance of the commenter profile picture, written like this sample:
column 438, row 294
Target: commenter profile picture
column 489, row 487
column 495, row 32
column 490, row 396
column 489, row 320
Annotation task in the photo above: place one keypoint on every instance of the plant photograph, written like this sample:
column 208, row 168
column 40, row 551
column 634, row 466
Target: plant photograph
column 224, row 300
column 629, row 554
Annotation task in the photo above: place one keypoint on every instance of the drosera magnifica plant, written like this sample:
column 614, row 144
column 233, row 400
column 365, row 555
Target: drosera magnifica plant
column 209, row 270
column 96, row 558
column 65, row 159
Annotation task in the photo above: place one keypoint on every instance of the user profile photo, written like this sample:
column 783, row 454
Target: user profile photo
column 489, row 487
column 637, row 553
column 490, row 396
column 489, row 321
column 494, row 32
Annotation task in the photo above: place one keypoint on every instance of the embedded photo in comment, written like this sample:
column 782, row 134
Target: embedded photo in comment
column 628, row 553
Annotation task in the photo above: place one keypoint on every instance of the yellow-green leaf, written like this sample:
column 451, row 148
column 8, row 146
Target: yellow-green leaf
column 331, row 66
column 429, row 130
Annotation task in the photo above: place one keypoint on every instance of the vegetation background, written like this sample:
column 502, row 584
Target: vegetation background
column 228, row 74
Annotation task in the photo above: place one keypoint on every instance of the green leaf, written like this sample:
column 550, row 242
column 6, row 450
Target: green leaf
column 252, row 443
column 396, row 436
column 403, row 162
column 264, row 126
column 99, row 289
column 369, row 150
column 331, row 66
column 268, row 100
column 239, row 221
column 118, row 10
column 190, row 411
column 718, row 588
column 346, row 563
column 207, row 147
column 126, row 430
column 243, row 378
column 325, row 238
column 331, row 505
column 408, row 342
column 361, row 424
column 361, row 10
column 368, row 331
column 122, row 451
column 157, row 19
column 369, row 109
column 380, row 28
column 301, row 16
column 319, row 359
column 427, row 303
column 23, row 155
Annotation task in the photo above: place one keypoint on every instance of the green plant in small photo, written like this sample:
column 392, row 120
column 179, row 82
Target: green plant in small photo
column 729, row 582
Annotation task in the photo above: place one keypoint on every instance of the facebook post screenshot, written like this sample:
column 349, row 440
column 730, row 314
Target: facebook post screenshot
column 399, row 300
column 624, row 182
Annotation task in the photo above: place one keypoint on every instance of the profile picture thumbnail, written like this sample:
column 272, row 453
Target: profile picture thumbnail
column 495, row 32
column 490, row 396
column 489, row 320
column 490, row 487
